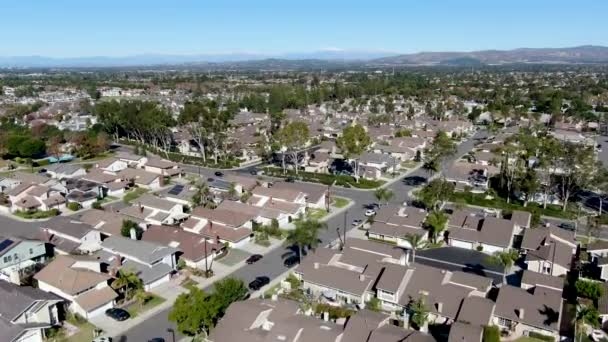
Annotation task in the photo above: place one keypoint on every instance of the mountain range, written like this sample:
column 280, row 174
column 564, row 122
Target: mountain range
column 326, row 58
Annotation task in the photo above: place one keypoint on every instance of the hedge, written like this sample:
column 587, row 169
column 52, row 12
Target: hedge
column 541, row 336
column 325, row 178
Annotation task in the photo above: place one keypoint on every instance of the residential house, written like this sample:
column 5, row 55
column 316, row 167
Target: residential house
column 18, row 257
column 549, row 250
column 80, row 281
column 196, row 250
column 113, row 165
column 107, row 222
column 598, row 256
column 82, row 191
column 26, row 313
column 156, row 210
column 69, row 236
column 132, row 160
column 60, row 170
column 377, row 161
column 519, row 312
column 221, row 225
column 162, row 167
column 142, row 178
column 153, row 263
column 28, row 197
column 467, row 229
column 465, row 175
column 393, row 224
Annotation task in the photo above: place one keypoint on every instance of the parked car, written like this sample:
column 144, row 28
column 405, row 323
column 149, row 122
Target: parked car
column 157, row 339
column 291, row 261
column 370, row 212
column 253, row 259
column 258, row 283
column 118, row 314
column 290, row 179
column 103, row 339
column 567, row 226
column 597, row 335
column 357, row 222
column 218, row 174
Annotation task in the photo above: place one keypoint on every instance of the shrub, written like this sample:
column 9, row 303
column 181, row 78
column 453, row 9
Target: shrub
column 542, row 337
column 491, row 334
column 73, row 206
column 97, row 205
column 589, row 289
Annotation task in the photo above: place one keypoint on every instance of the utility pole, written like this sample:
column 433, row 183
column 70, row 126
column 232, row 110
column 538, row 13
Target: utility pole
column 345, row 213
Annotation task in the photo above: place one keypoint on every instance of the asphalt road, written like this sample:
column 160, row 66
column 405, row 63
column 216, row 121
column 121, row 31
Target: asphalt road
column 272, row 263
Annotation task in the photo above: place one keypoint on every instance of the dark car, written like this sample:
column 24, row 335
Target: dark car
column 567, row 226
column 157, row 339
column 290, row 179
column 258, row 283
column 253, row 259
column 253, row 172
column 292, row 260
column 118, row 314
column 414, row 180
column 219, row 174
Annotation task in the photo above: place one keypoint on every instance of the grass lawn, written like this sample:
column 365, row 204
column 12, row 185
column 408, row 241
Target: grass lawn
column 268, row 293
column 136, row 309
column 106, row 200
column 500, row 203
column 188, row 284
column 339, row 202
column 134, row 194
column 84, row 334
column 528, row 339
column 37, row 214
column 316, row 214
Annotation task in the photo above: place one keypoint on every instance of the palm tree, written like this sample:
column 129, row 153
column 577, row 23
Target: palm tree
column 505, row 259
column 419, row 313
column 306, row 233
column 127, row 279
column 201, row 193
column 435, row 223
column 416, row 242
column 142, row 297
column 585, row 315
column 384, row 194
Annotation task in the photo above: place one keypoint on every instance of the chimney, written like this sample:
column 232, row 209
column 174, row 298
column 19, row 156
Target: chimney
column 133, row 234
column 316, row 264
column 117, row 264
column 520, row 313
column 439, row 307
column 361, row 277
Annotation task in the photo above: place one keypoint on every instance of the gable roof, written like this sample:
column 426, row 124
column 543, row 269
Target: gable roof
column 59, row 273
column 144, row 251
column 539, row 307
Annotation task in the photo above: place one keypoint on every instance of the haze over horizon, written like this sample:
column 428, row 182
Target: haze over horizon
column 74, row 29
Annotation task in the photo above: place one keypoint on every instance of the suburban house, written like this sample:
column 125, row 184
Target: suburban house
column 378, row 161
column 151, row 262
column 28, row 196
column 467, row 229
column 82, row 191
column 80, row 281
column 221, row 225
column 18, row 257
column 196, row 250
column 393, row 224
column 69, row 236
column 142, row 178
column 162, row 167
column 27, row 312
column 107, row 222
column 155, row 210
column 598, row 256
column 113, row 165
column 549, row 250
column 60, row 171
column 179, row 193
column 132, row 160
column 519, row 311
column 466, row 175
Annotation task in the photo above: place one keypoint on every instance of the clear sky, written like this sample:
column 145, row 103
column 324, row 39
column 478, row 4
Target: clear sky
column 69, row 28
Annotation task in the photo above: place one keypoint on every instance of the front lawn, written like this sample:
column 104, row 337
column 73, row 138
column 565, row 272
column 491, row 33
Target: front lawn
column 133, row 195
column 137, row 308
column 188, row 284
column 36, row 214
column 325, row 178
column 316, row 214
column 339, row 202
column 500, row 203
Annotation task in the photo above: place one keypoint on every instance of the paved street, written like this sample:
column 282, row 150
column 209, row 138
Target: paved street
column 272, row 263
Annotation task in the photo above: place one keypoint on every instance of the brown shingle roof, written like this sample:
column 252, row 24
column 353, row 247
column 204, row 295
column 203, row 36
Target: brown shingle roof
column 60, row 274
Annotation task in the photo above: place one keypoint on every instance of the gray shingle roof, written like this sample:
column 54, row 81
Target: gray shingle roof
column 144, row 251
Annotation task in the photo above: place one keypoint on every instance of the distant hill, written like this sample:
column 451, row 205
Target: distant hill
column 326, row 59
column 579, row 54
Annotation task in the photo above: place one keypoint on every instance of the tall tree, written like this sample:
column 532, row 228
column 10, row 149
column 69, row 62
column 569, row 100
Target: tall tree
column 384, row 195
column 578, row 166
column 435, row 193
column 293, row 137
column 440, row 149
column 195, row 312
column 127, row 280
column 416, row 242
column 306, row 233
column 435, row 223
column 353, row 142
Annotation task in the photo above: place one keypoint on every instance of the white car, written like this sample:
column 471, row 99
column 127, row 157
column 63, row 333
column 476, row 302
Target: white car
column 597, row 335
column 370, row 212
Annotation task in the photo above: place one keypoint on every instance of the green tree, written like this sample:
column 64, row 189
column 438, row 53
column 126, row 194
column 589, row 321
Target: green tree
column 435, row 193
column 127, row 225
column 589, row 289
column 384, row 195
column 585, row 315
column 600, row 183
column 416, row 242
column 228, row 291
column 419, row 312
column 441, row 148
column 353, row 142
column 374, row 304
column 505, row 259
column 578, row 166
column 142, row 297
column 293, row 138
column 306, row 233
column 195, row 312
column 435, row 223
column 127, row 280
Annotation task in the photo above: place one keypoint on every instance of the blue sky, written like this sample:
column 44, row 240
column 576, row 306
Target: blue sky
column 69, row 28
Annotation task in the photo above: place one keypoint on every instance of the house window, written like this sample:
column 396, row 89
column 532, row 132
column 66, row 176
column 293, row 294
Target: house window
column 5, row 259
column 10, row 258
column 504, row 322
column 31, row 251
